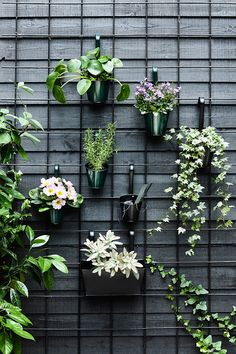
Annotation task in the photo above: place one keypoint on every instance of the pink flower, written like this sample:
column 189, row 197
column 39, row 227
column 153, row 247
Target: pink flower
column 44, row 182
column 50, row 190
column 61, row 192
column 58, row 203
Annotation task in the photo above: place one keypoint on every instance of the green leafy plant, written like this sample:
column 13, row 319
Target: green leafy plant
column 89, row 68
column 18, row 261
column 187, row 203
column 14, row 129
column 54, row 193
column 193, row 297
column 99, row 146
column 105, row 258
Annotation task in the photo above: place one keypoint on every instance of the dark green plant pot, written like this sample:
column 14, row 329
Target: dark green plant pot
column 156, row 123
column 96, row 179
column 98, row 91
column 56, row 216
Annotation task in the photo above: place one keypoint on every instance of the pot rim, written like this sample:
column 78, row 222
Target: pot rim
column 91, row 169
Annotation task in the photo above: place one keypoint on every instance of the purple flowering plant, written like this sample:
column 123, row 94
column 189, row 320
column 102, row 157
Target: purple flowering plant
column 159, row 98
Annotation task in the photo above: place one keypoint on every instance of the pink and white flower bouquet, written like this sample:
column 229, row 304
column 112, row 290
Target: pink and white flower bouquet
column 54, row 193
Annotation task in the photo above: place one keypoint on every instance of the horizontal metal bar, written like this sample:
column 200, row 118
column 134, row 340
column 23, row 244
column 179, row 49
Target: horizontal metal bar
column 120, row 3
column 111, row 100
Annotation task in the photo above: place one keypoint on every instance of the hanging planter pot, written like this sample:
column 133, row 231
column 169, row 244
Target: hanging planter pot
column 156, row 123
column 96, row 179
column 104, row 285
column 56, row 216
column 98, row 91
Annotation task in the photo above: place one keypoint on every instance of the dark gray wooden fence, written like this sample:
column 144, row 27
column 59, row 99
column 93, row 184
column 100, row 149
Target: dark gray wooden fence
column 193, row 44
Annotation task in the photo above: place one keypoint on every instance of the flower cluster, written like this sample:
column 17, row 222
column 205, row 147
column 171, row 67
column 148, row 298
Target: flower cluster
column 159, row 98
column 104, row 256
column 187, row 204
column 54, row 193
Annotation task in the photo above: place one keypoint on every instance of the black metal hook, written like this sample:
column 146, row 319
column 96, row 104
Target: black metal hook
column 154, row 75
column 56, row 170
column 131, row 240
column 97, row 40
column 3, row 58
column 91, row 235
column 131, row 179
column 201, row 105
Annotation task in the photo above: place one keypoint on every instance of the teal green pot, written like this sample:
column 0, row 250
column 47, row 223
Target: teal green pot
column 98, row 91
column 96, row 179
column 156, row 123
column 56, row 216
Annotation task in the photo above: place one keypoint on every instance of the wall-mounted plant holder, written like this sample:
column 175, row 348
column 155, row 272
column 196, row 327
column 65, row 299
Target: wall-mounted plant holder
column 96, row 179
column 56, row 216
column 99, row 90
column 156, row 123
column 208, row 155
column 131, row 203
column 104, row 285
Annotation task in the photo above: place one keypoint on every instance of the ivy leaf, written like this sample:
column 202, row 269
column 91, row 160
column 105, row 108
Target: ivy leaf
column 51, row 79
column 40, row 241
column 124, row 93
column 83, row 86
column 202, row 306
column 59, row 94
column 73, row 65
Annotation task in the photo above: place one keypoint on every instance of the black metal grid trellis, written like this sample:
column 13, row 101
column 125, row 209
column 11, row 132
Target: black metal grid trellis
column 68, row 322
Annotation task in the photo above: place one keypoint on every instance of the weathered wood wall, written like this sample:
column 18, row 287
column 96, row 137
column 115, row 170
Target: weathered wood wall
column 193, row 44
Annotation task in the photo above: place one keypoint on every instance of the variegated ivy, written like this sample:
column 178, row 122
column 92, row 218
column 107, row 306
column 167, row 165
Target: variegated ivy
column 187, row 203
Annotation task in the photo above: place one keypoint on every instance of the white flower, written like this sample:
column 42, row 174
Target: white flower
column 181, row 230
column 168, row 190
column 50, row 190
column 58, row 203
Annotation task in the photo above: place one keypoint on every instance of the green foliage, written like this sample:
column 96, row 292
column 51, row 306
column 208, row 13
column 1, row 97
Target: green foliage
column 99, row 146
column 187, row 204
column 84, row 71
column 18, row 261
column 193, row 297
column 12, row 135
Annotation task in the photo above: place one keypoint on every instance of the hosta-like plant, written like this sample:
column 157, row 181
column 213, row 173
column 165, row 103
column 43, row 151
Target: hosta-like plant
column 18, row 261
column 187, row 203
column 15, row 129
column 85, row 70
column 105, row 258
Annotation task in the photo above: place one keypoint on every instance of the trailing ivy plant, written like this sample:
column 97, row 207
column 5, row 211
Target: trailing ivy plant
column 14, row 129
column 187, row 204
column 18, row 261
column 194, row 298
column 89, row 68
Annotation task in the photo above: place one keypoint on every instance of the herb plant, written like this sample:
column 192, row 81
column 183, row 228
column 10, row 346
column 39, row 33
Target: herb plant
column 151, row 98
column 11, row 134
column 99, row 146
column 54, row 193
column 104, row 256
column 18, row 261
column 186, row 199
column 89, row 68
column 194, row 299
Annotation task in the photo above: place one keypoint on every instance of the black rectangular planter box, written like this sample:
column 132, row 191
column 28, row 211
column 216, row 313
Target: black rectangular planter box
column 104, row 285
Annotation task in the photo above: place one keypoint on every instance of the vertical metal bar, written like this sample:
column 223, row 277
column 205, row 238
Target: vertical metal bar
column 178, row 125
column 46, row 351
column 79, row 350
column 145, row 181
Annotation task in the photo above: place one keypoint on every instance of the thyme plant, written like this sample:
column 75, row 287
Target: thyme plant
column 187, row 203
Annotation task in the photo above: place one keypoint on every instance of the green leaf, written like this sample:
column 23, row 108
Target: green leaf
column 36, row 124
column 60, row 266
column 4, row 111
column 59, row 94
column 124, row 93
column 117, row 63
column 21, row 85
column 104, row 59
column 51, row 79
column 6, row 344
column 18, row 329
column 60, row 67
column 29, row 233
column 84, row 61
column 5, row 138
column 48, row 279
column 18, row 317
column 22, row 153
column 83, row 86
column 21, row 287
column 93, row 53
column 24, row 122
column 17, row 346
column 57, row 257
column 16, row 194
column 94, row 67
column 108, row 67
column 15, row 298
column 44, row 264
column 31, row 137
column 40, row 241
column 73, row 65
